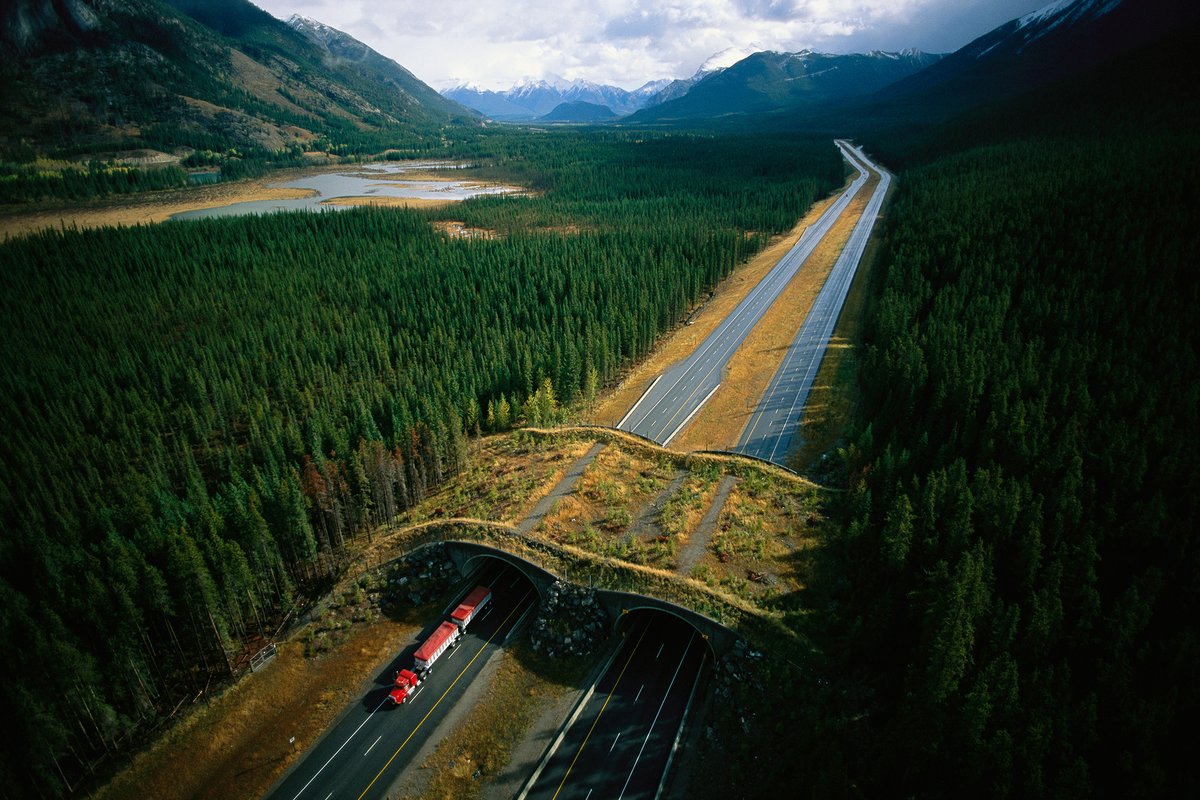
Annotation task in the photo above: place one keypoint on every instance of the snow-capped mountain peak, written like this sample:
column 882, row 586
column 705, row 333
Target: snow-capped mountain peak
column 1066, row 10
column 531, row 98
column 725, row 58
column 651, row 88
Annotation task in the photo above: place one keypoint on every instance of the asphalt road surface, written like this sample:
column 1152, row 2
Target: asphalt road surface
column 619, row 746
column 363, row 753
column 772, row 429
column 675, row 396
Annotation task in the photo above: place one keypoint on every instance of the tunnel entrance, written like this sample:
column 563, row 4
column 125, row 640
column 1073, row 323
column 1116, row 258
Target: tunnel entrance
column 664, row 626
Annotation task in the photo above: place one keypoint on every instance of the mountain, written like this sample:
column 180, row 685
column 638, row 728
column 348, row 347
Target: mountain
column 344, row 52
column 89, row 76
column 1062, row 39
column 712, row 65
column 535, row 99
column 579, row 111
column 770, row 81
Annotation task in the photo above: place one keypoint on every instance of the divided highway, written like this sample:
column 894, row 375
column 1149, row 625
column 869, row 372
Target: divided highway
column 678, row 394
column 364, row 752
column 772, row 428
column 619, row 744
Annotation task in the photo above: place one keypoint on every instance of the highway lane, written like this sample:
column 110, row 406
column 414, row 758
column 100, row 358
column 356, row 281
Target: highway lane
column 367, row 748
column 679, row 393
column 620, row 743
column 772, row 429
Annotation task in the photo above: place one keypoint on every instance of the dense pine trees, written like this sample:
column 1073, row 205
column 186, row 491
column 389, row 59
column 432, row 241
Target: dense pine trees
column 1020, row 565
column 198, row 416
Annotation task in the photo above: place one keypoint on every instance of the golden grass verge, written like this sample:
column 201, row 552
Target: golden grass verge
column 481, row 747
column 237, row 744
column 749, row 371
column 677, row 345
column 831, row 404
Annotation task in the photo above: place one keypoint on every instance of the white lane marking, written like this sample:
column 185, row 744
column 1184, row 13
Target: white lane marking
column 639, row 694
column 659, row 653
column 369, row 749
column 688, row 418
column 414, row 697
column 335, row 753
column 655, row 720
column 589, row 794
column 814, row 334
column 453, row 652
column 639, row 402
column 516, row 580
column 614, row 744
column 769, row 288
column 328, row 796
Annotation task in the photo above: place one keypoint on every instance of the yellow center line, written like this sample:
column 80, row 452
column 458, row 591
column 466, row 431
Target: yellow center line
column 443, row 697
column 596, row 722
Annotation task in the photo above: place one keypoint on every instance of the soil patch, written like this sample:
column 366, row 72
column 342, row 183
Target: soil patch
column 459, row 230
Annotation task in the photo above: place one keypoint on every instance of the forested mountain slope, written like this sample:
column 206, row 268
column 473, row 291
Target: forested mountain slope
column 87, row 76
column 797, row 82
column 198, row 415
column 1061, row 40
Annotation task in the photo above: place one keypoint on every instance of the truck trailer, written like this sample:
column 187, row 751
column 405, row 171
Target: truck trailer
column 405, row 686
column 438, row 642
column 470, row 607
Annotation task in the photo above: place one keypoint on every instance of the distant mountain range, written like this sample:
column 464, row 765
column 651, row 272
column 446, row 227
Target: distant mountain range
column 80, row 76
column 731, row 82
column 827, row 91
column 87, row 76
column 533, row 99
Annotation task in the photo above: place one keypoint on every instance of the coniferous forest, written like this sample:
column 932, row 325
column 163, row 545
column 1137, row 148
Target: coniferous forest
column 1017, row 582
column 199, row 415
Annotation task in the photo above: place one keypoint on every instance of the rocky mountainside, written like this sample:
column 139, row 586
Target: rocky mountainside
column 87, row 76
column 769, row 81
column 1060, row 40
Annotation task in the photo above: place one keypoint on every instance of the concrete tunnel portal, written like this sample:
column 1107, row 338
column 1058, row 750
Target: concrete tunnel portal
column 621, row 607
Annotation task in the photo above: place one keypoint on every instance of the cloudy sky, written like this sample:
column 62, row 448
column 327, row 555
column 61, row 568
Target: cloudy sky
column 496, row 43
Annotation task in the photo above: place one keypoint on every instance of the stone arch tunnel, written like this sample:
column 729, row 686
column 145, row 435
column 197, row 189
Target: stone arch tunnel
column 467, row 556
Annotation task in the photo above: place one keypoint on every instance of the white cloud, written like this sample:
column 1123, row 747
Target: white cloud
column 495, row 43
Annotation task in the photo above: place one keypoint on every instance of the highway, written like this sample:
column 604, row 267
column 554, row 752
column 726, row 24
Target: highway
column 367, row 748
column 619, row 745
column 771, row 430
column 678, row 394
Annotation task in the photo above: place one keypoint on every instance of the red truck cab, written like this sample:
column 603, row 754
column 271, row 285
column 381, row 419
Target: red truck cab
column 406, row 683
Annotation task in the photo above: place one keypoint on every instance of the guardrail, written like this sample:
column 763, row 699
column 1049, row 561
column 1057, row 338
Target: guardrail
column 264, row 656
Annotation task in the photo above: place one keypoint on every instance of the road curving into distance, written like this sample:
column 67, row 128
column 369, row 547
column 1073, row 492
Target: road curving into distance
column 363, row 753
column 679, row 393
column 771, row 432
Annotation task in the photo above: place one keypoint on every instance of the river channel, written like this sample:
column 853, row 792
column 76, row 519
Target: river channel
column 360, row 181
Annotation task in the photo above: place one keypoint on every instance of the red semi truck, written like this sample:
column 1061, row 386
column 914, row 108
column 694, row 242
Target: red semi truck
column 406, row 684
column 470, row 607
column 438, row 642
column 442, row 639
